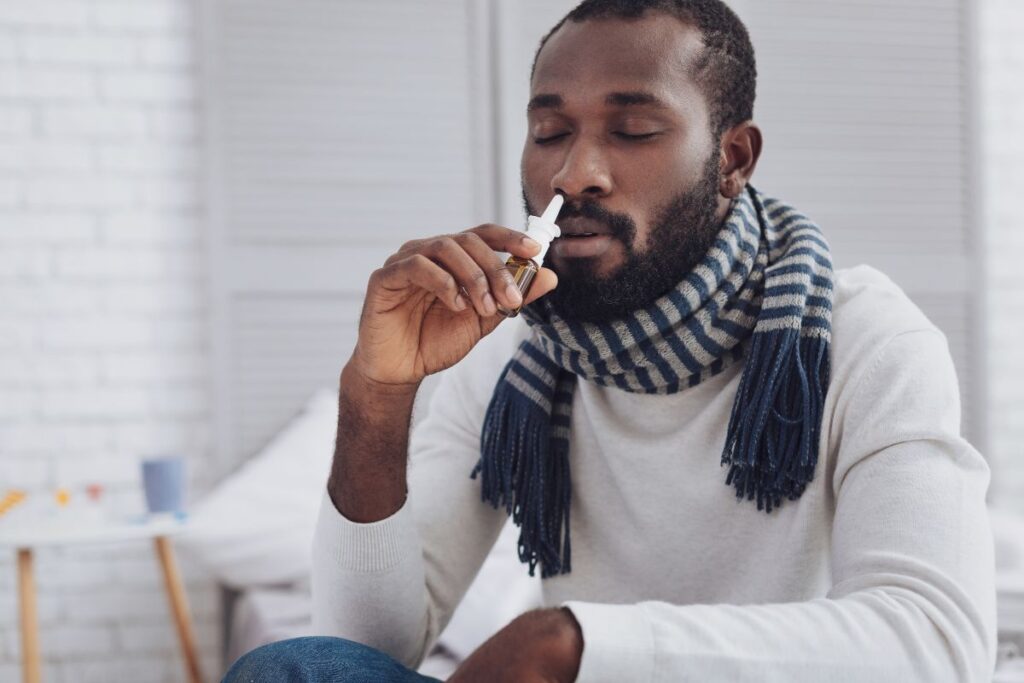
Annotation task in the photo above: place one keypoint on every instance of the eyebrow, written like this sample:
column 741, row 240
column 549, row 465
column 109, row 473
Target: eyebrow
column 545, row 102
column 617, row 99
column 635, row 98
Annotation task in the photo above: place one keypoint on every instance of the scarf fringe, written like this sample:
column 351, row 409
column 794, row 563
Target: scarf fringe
column 772, row 438
column 527, row 471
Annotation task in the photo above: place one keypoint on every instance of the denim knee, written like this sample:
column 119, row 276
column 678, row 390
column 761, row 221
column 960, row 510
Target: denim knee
column 279, row 661
column 319, row 658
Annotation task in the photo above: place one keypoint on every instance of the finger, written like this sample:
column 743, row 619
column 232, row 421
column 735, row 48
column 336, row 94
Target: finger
column 419, row 271
column 405, row 251
column 543, row 282
column 467, row 272
column 502, row 284
column 500, row 238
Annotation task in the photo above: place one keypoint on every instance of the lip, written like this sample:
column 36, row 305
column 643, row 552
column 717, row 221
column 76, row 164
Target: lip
column 581, row 247
column 578, row 225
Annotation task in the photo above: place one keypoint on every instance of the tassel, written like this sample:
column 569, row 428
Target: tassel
column 772, row 438
column 527, row 470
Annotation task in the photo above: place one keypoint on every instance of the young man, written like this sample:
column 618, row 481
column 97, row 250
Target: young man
column 729, row 461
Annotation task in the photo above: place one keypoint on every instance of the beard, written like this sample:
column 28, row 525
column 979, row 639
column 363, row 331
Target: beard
column 680, row 237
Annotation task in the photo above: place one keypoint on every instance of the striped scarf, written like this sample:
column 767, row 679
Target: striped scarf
column 763, row 291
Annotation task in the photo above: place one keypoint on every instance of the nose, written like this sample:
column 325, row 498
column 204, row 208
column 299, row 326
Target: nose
column 584, row 172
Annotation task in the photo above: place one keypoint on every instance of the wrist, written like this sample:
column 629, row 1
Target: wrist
column 573, row 634
column 356, row 380
column 563, row 640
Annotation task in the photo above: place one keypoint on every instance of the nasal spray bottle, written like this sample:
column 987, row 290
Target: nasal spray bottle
column 542, row 230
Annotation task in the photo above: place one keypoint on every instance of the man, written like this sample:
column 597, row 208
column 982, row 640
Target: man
column 688, row 332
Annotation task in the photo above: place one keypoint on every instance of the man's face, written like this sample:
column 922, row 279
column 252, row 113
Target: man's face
column 617, row 124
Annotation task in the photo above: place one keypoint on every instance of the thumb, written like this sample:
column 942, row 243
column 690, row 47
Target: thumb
column 543, row 282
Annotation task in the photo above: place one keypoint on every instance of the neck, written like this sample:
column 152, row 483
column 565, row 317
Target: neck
column 724, row 207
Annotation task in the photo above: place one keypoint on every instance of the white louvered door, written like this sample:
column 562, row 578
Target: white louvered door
column 866, row 108
column 338, row 130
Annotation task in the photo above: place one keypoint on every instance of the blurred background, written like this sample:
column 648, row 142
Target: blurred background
column 194, row 192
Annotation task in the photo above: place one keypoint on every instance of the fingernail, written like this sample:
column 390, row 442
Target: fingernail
column 530, row 242
column 489, row 304
column 513, row 294
column 460, row 302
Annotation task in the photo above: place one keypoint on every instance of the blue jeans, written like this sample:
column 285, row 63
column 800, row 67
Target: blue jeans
column 320, row 658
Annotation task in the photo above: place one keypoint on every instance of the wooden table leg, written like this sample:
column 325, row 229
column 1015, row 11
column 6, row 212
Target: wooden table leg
column 179, row 607
column 29, row 618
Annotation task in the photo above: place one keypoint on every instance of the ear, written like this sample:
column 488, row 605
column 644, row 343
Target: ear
column 741, row 148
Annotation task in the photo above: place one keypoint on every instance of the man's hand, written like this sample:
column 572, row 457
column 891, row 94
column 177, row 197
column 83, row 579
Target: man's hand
column 416, row 321
column 540, row 646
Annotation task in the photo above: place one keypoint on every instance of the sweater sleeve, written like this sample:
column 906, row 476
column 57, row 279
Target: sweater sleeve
column 394, row 584
column 912, row 597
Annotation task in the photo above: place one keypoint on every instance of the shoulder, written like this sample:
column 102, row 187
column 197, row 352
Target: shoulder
column 885, row 352
column 869, row 310
column 892, row 373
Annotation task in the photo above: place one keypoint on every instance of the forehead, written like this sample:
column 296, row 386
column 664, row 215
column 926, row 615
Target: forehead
column 654, row 53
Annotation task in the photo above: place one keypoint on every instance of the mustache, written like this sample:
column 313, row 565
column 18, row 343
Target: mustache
column 620, row 225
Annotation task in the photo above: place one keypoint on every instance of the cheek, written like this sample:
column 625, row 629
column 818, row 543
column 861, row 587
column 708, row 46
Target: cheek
column 536, row 169
column 656, row 171
column 647, row 183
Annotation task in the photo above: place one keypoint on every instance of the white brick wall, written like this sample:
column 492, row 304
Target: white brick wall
column 103, row 353
column 1002, row 118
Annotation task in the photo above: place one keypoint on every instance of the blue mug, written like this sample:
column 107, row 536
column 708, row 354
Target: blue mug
column 163, row 480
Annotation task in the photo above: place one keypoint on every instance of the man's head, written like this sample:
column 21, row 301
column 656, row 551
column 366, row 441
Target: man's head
column 640, row 116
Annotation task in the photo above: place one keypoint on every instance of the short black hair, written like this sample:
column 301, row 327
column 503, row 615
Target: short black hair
column 726, row 70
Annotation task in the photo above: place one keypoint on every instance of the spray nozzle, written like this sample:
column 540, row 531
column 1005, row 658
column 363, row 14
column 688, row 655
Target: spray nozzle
column 551, row 213
column 543, row 229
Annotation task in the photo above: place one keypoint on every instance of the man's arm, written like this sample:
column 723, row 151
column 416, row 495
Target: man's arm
column 379, row 575
column 913, row 597
column 394, row 582
column 425, row 309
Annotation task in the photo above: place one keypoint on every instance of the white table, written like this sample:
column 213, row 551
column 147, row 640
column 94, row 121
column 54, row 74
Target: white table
column 24, row 536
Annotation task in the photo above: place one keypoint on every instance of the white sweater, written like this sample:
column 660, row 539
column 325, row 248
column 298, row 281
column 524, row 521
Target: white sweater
column 881, row 571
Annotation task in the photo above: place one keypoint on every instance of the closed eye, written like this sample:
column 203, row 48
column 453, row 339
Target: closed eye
column 548, row 140
column 635, row 138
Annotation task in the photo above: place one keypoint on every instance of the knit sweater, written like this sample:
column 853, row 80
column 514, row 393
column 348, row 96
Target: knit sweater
column 881, row 571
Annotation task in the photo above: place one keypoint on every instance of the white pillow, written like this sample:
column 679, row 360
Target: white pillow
column 256, row 527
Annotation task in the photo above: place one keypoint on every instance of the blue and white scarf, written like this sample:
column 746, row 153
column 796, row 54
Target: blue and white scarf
column 763, row 291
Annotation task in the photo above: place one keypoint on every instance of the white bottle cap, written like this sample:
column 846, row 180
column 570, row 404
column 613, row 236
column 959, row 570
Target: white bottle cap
column 543, row 229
